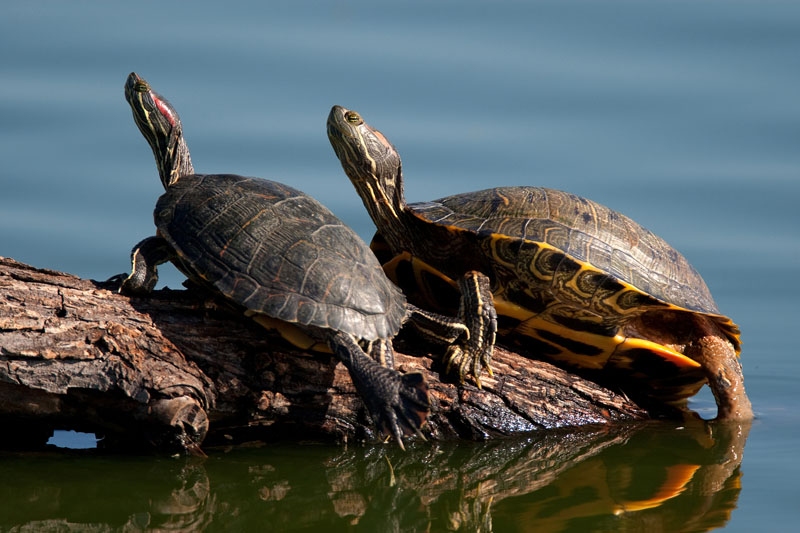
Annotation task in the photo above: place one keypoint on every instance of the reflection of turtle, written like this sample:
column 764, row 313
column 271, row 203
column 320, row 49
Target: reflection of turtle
column 282, row 256
column 573, row 280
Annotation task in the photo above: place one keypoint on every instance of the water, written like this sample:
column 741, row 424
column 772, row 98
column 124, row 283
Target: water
column 592, row 480
column 683, row 115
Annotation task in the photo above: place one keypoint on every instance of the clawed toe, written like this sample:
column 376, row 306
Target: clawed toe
column 468, row 364
column 406, row 411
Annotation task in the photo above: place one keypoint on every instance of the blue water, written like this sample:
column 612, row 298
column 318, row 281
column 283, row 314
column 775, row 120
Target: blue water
column 682, row 115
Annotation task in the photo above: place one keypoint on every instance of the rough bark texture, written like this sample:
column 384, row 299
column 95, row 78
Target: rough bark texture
column 179, row 368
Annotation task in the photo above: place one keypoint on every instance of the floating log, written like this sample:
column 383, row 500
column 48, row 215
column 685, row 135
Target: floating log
column 181, row 368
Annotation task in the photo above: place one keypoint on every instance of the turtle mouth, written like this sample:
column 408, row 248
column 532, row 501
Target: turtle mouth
column 333, row 131
column 336, row 133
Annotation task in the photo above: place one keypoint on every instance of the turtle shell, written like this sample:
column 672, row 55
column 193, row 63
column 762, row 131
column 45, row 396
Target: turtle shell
column 278, row 252
column 583, row 230
column 570, row 278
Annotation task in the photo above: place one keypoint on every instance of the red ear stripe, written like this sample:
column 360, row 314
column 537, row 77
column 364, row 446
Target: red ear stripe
column 165, row 110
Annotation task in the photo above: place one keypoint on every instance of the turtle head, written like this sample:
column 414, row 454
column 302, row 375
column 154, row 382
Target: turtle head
column 161, row 127
column 370, row 161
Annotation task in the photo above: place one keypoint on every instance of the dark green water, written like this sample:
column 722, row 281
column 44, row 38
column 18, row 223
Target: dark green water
column 682, row 115
column 658, row 477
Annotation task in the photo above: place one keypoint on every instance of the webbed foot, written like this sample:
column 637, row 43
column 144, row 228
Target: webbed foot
column 398, row 403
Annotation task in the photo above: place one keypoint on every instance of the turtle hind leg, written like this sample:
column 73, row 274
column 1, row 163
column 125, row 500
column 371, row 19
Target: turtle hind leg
column 145, row 258
column 398, row 403
column 723, row 370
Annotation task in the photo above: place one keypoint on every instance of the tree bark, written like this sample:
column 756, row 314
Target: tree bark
column 179, row 368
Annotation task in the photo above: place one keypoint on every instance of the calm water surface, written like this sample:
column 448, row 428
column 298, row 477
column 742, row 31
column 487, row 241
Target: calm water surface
column 683, row 115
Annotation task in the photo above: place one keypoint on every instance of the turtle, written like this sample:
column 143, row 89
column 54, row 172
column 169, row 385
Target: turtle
column 282, row 257
column 571, row 281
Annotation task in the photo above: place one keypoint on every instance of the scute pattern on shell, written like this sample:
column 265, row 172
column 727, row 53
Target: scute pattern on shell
column 584, row 230
column 276, row 251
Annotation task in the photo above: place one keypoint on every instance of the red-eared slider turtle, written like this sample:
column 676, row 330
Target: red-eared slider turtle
column 283, row 257
column 577, row 282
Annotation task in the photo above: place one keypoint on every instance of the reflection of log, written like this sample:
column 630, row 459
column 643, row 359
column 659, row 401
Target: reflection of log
column 170, row 369
column 628, row 477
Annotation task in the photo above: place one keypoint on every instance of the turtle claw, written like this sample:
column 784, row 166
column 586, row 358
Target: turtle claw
column 469, row 363
column 404, row 406
column 116, row 279
column 397, row 403
column 480, row 317
column 470, row 336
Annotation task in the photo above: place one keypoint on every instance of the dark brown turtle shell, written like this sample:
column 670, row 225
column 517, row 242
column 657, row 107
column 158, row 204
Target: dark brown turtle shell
column 276, row 251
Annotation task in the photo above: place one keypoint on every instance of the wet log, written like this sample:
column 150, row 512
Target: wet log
column 181, row 367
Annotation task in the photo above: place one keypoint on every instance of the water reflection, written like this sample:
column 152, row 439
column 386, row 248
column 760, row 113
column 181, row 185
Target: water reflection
column 653, row 476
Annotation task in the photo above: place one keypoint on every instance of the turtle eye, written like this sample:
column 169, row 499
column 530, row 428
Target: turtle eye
column 141, row 86
column 353, row 118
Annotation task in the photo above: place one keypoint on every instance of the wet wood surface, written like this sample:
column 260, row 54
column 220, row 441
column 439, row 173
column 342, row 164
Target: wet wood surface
column 181, row 368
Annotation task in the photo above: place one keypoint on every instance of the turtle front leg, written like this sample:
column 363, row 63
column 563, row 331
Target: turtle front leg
column 478, row 313
column 145, row 258
column 470, row 335
column 398, row 403
column 381, row 351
